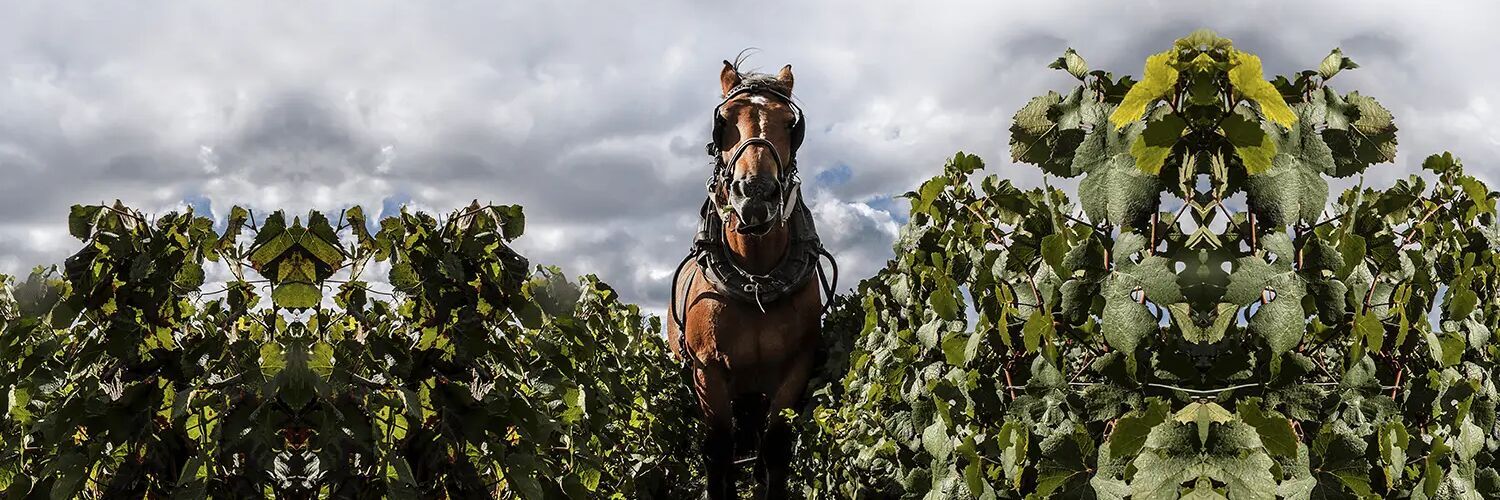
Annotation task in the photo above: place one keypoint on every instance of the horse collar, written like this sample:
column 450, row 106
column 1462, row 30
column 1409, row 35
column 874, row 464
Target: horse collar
column 796, row 269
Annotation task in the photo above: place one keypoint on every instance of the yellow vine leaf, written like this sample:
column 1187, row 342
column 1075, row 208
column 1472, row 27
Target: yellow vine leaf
column 1245, row 75
column 1160, row 76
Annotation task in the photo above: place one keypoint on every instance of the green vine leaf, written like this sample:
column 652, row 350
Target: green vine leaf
column 1334, row 63
column 1073, row 63
column 1254, row 146
column 1293, row 189
column 1114, row 189
column 1360, row 132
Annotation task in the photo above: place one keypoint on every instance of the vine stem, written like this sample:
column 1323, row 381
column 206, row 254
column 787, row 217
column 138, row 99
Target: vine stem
column 1322, row 366
column 1009, row 385
column 1155, row 220
column 1304, row 229
column 1405, row 240
column 1000, row 240
column 1206, row 392
column 1083, row 367
column 1254, row 238
column 1413, row 230
column 1400, row 369
column 1096, row 229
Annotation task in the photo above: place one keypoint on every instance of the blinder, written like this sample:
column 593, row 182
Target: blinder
column 798, row 129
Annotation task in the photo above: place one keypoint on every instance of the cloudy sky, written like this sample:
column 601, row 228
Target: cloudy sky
column 593, row 114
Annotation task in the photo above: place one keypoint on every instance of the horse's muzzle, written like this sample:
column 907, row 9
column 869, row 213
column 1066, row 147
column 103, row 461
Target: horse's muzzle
column 756, row 200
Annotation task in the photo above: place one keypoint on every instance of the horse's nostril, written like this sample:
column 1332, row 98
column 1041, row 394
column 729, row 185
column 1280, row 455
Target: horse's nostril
column 767, row 189
column 755, row 188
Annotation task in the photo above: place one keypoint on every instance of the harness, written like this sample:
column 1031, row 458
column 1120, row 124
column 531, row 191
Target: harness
column 804, row 254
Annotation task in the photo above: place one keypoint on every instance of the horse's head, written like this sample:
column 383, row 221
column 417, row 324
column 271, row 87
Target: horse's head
column 757, row 130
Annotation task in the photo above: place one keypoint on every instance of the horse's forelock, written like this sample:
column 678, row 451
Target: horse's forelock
column 751, row 77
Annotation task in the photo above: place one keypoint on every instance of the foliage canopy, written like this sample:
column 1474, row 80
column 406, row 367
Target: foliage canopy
column 478, row 377
column 1203, row 323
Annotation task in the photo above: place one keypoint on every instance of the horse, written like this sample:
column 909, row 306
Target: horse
column 746, row 312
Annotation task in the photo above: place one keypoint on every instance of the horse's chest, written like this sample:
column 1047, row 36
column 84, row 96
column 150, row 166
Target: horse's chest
column 741, row 335
column 749, row 336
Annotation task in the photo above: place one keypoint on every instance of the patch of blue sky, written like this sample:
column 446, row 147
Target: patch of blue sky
column 899, row 208
column 837, row 175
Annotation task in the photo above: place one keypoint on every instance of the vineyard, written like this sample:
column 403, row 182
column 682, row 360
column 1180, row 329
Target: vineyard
column 1201, row 318
column 126, row 379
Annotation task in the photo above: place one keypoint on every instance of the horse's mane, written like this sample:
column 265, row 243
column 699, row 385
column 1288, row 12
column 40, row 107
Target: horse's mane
column 762, row 80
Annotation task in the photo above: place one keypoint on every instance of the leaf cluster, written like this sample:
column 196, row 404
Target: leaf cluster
column 476, row 376
column 1204, row 323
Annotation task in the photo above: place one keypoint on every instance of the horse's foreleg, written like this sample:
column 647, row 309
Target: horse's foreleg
column 775, row 458
column 718, row 455
column 776, row 447
column 718, row 446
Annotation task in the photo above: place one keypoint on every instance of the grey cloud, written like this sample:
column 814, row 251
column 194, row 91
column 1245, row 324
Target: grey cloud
column 593, row 115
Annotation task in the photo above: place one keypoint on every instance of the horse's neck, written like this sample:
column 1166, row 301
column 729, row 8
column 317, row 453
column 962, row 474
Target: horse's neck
column 758, row 254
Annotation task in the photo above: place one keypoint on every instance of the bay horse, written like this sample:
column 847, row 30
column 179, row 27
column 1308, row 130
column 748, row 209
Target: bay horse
column 745, row 310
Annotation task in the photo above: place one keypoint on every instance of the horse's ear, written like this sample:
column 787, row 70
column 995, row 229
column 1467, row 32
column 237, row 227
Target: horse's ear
column 785, row 77
column 729, row 77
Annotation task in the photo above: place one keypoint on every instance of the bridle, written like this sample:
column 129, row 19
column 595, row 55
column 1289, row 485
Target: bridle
column 786, row 165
